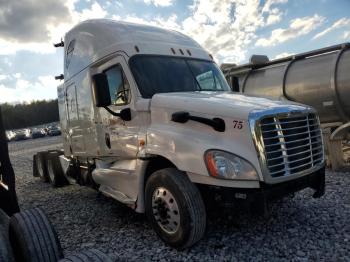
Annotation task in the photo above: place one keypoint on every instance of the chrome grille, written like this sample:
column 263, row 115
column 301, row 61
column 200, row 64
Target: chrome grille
column 292, row 144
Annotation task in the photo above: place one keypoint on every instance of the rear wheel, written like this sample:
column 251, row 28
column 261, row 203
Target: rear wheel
column 33, row 238
column 54, row 169
column 41, row 166
column 92, row 255
column 175, row 208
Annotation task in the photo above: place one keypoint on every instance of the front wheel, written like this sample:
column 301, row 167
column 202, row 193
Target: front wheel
column 175, row 208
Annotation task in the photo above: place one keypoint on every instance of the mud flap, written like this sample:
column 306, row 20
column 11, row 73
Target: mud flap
column 318, row 183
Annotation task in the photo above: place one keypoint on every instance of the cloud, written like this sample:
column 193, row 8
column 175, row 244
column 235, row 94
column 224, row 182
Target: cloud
column 95, row 11
column 3, row 77
column 169, row 22
column 338, row 24
column 274, row 14
column 274, row 17
column 223, row 27
column 270, row 3
column 25, row 91
column 34, row 25
column 226, row 28
column 159, row 2
column 282, row 55
column 26, row 20
column 297, row 27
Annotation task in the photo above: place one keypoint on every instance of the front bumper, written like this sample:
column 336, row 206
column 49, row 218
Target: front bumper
column 314, row 180
column 260, row 197
column 268, row 192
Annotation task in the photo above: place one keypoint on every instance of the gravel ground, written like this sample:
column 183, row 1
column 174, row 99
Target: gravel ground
column 299, row 229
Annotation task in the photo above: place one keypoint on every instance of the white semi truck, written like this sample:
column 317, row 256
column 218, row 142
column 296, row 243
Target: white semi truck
column 148, row 119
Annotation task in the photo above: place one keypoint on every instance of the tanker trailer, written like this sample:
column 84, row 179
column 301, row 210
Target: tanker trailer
column 319, row 78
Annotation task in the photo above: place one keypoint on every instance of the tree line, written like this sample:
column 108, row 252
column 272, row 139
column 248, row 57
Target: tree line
column 27, row 115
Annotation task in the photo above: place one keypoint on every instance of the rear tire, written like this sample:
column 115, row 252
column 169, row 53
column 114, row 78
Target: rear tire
column 35, row 166
column 175, row 208
column 41, row 166
column 54, row 170
column 33, row 238
column 92, row 255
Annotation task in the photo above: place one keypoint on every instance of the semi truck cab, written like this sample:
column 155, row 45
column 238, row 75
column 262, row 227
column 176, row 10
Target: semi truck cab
column 148, row 119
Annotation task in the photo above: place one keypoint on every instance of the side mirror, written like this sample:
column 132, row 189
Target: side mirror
column 125, row 114
column 100, row 88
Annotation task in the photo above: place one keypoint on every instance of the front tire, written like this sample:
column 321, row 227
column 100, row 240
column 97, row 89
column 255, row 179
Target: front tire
column 175, row 208
column 92, row 255
column 33, row 238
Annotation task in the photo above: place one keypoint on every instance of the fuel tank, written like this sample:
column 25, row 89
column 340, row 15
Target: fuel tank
column 320, row 78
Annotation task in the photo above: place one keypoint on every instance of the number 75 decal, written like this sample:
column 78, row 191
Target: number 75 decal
column 237, row 124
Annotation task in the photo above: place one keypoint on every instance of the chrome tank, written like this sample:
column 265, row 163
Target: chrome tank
column 319, row 78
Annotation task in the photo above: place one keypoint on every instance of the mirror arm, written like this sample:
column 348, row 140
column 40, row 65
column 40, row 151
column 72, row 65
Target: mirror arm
column 124, row 114
column 111, row 111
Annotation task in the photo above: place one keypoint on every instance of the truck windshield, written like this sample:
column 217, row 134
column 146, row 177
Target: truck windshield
column 162, row 74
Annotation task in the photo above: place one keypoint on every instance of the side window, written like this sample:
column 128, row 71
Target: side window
column 206, row 80
column 69, row 52
column 71, row 98
column 119, row 87
column 209, row 81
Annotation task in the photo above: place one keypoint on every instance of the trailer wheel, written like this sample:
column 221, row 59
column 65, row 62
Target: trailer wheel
column 41, row 166
column 175, row 208
column 33, row 238
column 6, row 254
column 54, row 169
column 92, row 255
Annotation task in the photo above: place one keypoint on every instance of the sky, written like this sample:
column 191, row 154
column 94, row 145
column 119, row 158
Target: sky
column 231, row 30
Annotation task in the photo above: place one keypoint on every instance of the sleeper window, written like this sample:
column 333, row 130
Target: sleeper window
column 119, row 87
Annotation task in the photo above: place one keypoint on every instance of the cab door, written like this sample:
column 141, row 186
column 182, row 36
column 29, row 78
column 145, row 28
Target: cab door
column 77, row 145
column 121, row 137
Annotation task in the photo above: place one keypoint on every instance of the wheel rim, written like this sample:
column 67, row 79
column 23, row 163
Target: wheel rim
column 40, row 167
column 50, row 170
column 165, row 210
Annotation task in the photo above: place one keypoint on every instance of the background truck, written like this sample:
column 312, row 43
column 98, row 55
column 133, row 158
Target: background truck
column 319, row 78
column 148, row 119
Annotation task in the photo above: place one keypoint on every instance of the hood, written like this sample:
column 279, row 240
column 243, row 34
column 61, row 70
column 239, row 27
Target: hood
column 224, row 104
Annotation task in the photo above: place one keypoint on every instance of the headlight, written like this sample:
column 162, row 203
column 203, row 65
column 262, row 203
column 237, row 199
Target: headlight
column 224, row 165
